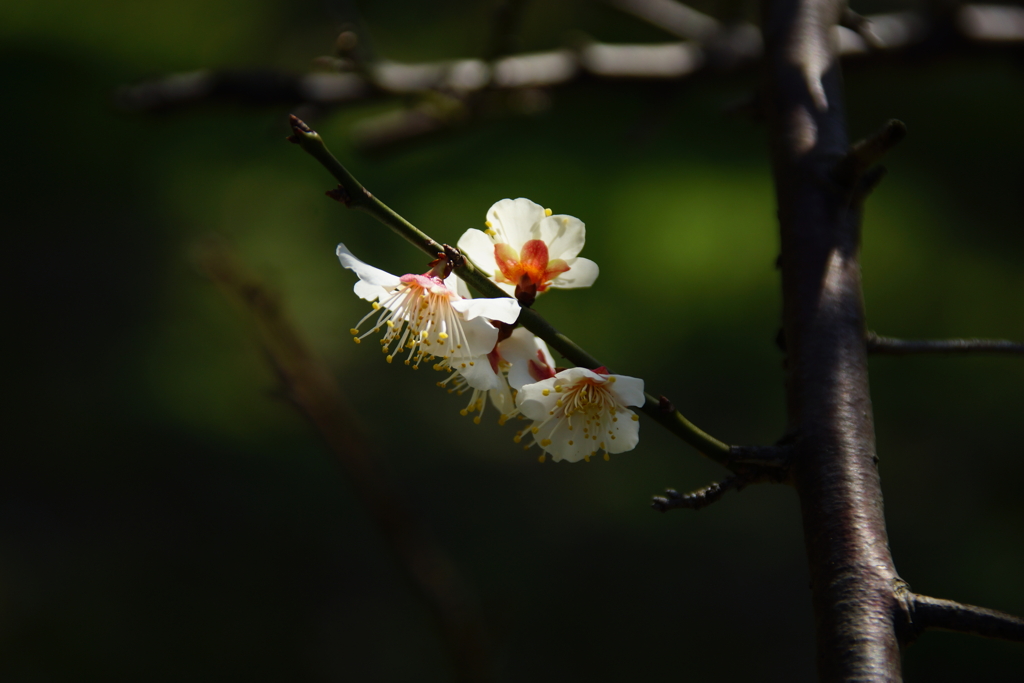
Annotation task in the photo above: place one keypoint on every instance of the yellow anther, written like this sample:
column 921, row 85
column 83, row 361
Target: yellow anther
column 547, row 212
column 488, row 224
column 600, row 445
column 442, row 335
column 423, row 334
column 586, row 458
column 545, row 442
column 607, row 457
column 476, row 420
column 570, row 442
column 376, row 306
column 389, row 358
column 490, row 232
column 542, row 458
column 391, row 323
column 611, row 380
column 635, row 418
column 463, row 412
column 502, row 419
column 558, row 403
column 534, row 430
column 356, row 339
column 545, row 392
column 517, row 438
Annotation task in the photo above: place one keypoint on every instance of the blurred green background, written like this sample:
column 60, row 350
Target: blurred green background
column 164, row 517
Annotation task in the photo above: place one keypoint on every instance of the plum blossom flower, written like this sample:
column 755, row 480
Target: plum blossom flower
column 514, row 362
column 527, row 250
column 579, row 412
column 424, row 314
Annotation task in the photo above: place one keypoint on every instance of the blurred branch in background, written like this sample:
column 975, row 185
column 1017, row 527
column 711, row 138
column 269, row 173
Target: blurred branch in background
column 308, row 385
column 448, row 93
column 905, row 347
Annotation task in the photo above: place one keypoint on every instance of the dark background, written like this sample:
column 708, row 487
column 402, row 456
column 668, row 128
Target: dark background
column 164, row 517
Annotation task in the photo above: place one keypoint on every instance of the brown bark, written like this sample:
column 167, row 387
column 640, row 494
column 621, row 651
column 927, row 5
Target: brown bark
column 854, row 584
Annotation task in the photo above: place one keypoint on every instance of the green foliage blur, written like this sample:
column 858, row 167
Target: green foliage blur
column 165, row 517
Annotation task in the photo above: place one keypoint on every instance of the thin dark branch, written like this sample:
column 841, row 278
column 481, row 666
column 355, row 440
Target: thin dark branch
column 308, row 385
column 948, row 615
column 905, row 347
column 701, row 498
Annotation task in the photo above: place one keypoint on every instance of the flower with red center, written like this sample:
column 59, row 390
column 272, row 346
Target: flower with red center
column 578, row 413
column 525, row 249
column 424, row 314
column 519, row 360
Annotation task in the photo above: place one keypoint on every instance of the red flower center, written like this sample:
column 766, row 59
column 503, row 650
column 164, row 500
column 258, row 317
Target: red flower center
column 530, row 267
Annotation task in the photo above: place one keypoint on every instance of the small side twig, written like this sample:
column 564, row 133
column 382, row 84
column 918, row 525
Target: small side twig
column 948, row 615
column 868, row 152
column 701, row 498
column 904, row 347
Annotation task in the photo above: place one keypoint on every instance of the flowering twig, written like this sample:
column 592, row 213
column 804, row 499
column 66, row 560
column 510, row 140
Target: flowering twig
column 905, row 347
column 352, row 194
column 309, row 386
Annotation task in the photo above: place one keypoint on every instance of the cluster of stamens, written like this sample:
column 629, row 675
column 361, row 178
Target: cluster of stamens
column 417, row 316
column 589, row 404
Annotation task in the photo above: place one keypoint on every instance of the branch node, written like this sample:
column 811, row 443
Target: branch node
column 665, row 405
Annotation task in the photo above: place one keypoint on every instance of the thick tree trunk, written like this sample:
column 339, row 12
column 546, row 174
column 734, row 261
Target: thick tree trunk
column 855, row 587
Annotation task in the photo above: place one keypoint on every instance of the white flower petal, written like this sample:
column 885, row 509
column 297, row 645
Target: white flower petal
column 479, row 339
column 366, row 272
column 564, row 235
column 520, row 350
column 480, row 249
column 626, row 431
column 629, row 390
column 515, row 221
column 582, row 273
column 502, row 399
column 477, row 372
column 504, row 309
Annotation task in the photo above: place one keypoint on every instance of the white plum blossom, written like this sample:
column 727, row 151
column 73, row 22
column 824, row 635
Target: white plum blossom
column 514, row 362
column 526, row 249
column 424, row 314
column 579, row 412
